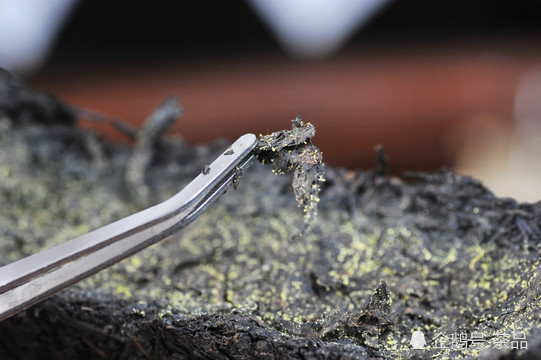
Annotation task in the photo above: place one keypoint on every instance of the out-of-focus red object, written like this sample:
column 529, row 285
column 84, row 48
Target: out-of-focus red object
column 408, row 103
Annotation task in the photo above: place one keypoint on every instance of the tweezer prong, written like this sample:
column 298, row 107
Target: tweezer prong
column 36, row 277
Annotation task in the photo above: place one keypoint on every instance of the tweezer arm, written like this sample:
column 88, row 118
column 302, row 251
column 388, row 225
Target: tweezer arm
column 36, row 277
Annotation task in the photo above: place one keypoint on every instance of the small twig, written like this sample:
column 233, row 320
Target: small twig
column 90, row 344
column 143, row 350
column 381, row 169
column 118, row 124
column 154, row 127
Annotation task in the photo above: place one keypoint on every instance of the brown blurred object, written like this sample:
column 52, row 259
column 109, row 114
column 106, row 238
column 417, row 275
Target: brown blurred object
column 506, row 156
column 409, row 102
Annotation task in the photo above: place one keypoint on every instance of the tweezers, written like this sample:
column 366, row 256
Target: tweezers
column 34, row 278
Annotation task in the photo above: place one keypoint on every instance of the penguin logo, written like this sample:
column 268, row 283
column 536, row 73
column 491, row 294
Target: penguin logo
column 417, row 340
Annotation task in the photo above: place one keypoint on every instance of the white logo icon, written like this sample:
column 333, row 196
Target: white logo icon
column 417, row 340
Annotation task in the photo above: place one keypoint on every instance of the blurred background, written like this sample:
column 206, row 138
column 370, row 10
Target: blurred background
column 454, row 84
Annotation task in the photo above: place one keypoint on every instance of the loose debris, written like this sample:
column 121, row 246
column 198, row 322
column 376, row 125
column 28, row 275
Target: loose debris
column 292, row 150
column 368, row 325
column 455, row 260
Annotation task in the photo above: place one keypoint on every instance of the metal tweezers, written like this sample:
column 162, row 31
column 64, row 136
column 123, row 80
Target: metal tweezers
column 32, row 279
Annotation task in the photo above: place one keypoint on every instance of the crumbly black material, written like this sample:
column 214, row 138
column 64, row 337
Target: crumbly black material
column 292, row 150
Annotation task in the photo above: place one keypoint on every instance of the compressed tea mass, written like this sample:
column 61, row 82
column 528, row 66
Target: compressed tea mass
column 436, row 255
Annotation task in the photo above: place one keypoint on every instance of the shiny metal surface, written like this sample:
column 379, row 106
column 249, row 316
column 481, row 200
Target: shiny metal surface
column 36, row 277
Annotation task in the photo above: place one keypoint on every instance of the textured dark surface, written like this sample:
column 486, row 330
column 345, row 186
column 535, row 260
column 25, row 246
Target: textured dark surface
column 438, row 253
